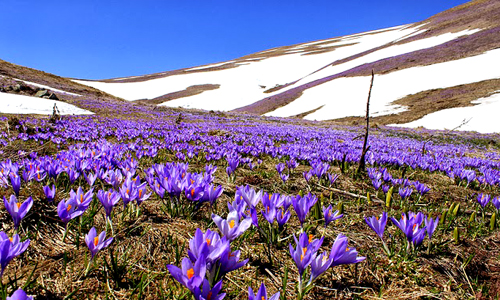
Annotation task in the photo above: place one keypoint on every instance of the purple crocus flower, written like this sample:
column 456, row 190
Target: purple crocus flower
column 483, row 199
column 284, row 177
column 211, row 193
column 15, row 181
column 229, row 261
column 128, row 191
column 108, row 200
column 280, row 168
column 377, row 183
column 261, row 294
column 422, row 188
column 231, row 227
column 496, row 202
column 50, row 193
column 329, row 216
column 96, row 243
column 75, row 206
column 307, row 176
column 304, row 251
column 142, row 193
column 189, row 275
column 20, row 295
column 332, row 178
column 341, row 254
column 405, row 192
column 10, row 248
column 208, row 293
column 17, row 210
column 208, row 244
column 282, row 217
column 248, row 194
column 320, row 263
column 431, row 226
column 377, row 225
column 302, row 206
column 410, row 226
column 194, row 192
column 90, row 178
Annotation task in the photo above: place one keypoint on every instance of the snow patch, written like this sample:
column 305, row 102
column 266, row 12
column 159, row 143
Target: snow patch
column 480, row 117
column 20, row 104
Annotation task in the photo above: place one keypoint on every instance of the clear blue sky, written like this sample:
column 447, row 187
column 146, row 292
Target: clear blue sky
column 104, row 39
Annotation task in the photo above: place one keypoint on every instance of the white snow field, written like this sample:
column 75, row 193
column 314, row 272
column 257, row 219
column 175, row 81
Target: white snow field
column 20, row 104
column 347, row 96
column 481, row 117
column 242, row 85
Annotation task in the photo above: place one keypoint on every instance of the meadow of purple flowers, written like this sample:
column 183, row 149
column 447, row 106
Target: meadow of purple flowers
column 151, row 205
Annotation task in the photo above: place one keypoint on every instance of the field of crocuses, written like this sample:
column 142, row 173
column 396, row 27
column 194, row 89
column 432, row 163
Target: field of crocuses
column 152, row 204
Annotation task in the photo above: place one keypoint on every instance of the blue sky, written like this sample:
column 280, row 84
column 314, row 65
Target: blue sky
column 106, row 39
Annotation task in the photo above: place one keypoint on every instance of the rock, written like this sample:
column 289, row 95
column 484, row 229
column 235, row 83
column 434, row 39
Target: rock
column 42, row 93
column 16, row 88
column 53, row 97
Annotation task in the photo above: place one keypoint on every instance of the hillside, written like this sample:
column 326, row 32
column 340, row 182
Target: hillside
column 450, row 53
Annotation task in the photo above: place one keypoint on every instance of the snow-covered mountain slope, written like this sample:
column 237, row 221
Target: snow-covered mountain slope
column 329, row 79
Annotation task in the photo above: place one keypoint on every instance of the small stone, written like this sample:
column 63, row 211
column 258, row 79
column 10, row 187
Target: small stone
column 42, row 93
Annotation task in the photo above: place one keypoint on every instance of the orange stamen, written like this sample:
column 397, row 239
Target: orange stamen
column 190, row 273
column 18, row 205
column 311, row 238
column 208, row 242
column 231, row 224
column 69, row 207
column 96, row 241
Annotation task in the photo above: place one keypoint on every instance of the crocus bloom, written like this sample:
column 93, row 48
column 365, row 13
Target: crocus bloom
column 248, row 194
column 230, row 261
column 261, row 294
column 304, row 251
column 10, row 248
column 208, row 244
column 282, row 217
column 190, row 275
column 332, row 178
column 329, row 216
column 17, row 210
column 108, row 200
column 50, row 193
column 320, row 263
column 212, row 192
column 208, row 293
column 75, row 206
column 377, row 225
column 20, row 295
column 341, row 254
column 496, row 202
column 431, row 226
column 231, row 227
column 410, row 226
column 483, row 199
column 422, row 188
column 15, row 181
column 302, row 206
column 280, row 168
column 96, row 243
column 405, row 192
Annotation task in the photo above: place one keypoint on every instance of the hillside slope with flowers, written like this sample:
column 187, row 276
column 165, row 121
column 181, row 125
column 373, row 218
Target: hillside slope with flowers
column 169, row 204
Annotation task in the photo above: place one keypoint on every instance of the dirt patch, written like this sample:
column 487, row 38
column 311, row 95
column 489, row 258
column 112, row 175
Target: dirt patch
column 189, row 91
